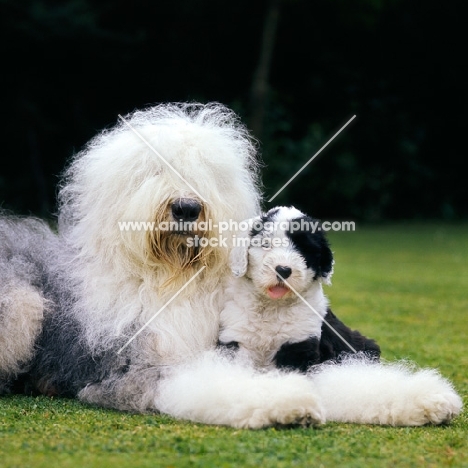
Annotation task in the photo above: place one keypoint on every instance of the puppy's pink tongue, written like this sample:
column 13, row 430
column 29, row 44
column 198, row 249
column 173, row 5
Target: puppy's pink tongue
column 277, row 292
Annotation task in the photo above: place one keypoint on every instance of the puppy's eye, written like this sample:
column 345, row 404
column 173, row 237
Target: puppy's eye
column 266, row 242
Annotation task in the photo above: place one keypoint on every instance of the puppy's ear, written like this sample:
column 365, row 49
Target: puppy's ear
column 313, row 246
column 239, row 256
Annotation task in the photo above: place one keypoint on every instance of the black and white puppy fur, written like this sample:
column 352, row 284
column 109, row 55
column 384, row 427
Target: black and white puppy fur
column 266, row 324
column 277, row 314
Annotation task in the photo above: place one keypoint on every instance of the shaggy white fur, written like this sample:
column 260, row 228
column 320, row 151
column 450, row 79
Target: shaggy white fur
column 215, row 389
column 119, row 178
column 394, row 394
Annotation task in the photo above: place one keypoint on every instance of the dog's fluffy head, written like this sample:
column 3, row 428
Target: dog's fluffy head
column 141, row 171
column 282, row 245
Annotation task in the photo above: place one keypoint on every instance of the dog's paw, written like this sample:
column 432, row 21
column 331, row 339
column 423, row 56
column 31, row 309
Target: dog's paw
column 438, row 408
column 306, row 411
column 309, row 413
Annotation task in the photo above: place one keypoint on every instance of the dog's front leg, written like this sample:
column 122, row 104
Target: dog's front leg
column 213, row 389
column 391, row 394
column 135, row 391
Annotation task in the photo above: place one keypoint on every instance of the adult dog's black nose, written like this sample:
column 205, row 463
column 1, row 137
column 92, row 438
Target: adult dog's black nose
column 283, row 272
column 186, row 209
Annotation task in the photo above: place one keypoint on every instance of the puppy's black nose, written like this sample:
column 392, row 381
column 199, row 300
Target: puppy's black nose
column 186, row 209
column 284, row 272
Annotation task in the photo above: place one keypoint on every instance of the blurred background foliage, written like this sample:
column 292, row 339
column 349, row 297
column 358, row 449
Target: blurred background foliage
column 295, row 70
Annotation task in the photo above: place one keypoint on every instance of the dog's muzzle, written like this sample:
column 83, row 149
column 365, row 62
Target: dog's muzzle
column 186, row 209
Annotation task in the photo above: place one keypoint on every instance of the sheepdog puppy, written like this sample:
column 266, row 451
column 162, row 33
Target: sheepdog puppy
column 123, row 313
column 276, row 314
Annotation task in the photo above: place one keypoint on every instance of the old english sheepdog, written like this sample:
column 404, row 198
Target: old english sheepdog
column 276, row 314
column 124, row 314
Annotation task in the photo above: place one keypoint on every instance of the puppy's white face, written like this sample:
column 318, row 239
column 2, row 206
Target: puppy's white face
column 284, row 252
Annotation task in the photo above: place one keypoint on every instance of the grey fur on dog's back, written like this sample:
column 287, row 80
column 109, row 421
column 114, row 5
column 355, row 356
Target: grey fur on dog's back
column 28, row 247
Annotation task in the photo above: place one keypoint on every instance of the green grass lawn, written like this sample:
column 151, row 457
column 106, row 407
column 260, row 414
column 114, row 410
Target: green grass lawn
column 404, row 285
